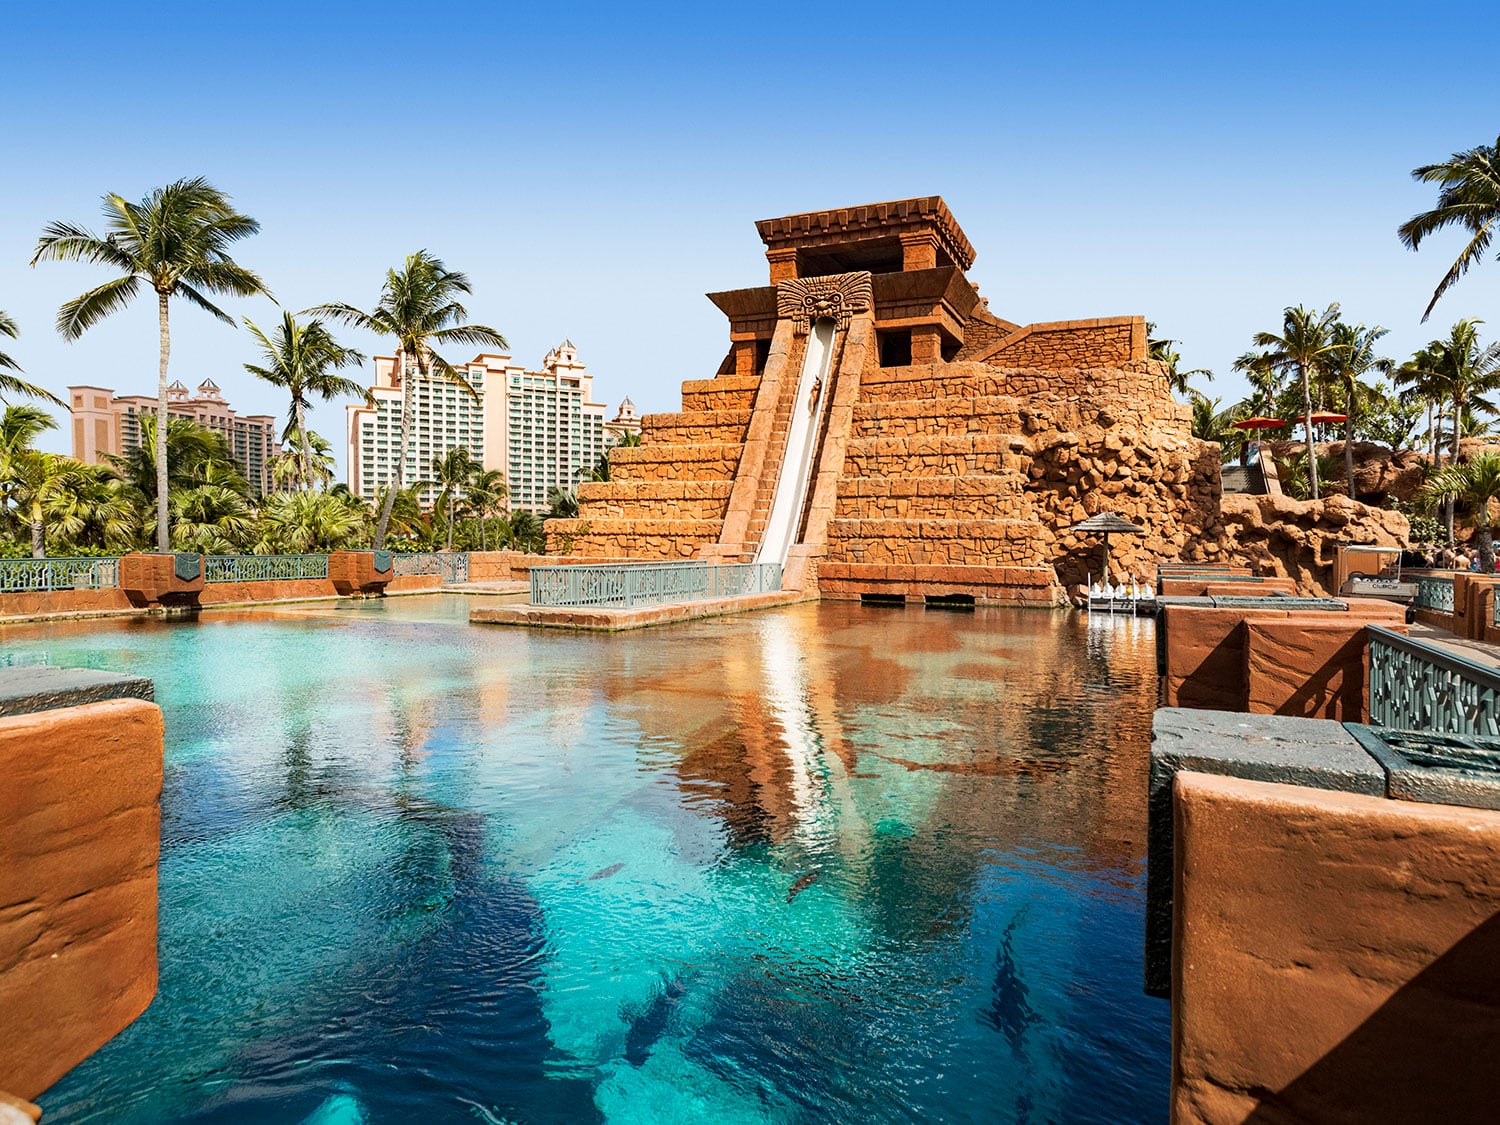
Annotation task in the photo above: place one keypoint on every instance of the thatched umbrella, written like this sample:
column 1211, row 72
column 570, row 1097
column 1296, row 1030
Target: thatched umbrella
column 1107, row 524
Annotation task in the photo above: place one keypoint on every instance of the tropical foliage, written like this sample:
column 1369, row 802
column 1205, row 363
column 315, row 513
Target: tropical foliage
column 176, row 241
column 302, row 359
column 1468, row 198
column 420, row 310
column 1473, row 486
column 11, row 382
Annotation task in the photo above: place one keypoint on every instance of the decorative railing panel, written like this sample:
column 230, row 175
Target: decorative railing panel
column 263, row 568
column 31, row 575
column 1418, row 686
column 453, row 566
column 1435, row 594
column 641, row 584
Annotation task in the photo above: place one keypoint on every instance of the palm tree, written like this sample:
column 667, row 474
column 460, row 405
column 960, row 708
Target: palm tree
column 39, row 481
column 1164, row 351
column 292, row 466
column 487, row 492
column 1264, row 377
column 194, row 455
column 562, row 504
column 301, row 360
column 14, row 384
column 453, row 470
column 1213, row 424
column 310, row 521
column 20, row 426
column 97, row 510
column 526, row 532
column 1467, row 372
column 1468, row 198
column 210, row 520
column 419, row 309
column 1352, row 356
column 176, row 240
column 1303, row 346
column 1418, row 381
column 1474, row 485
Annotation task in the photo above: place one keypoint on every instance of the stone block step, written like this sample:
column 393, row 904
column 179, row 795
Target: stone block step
column 938, row 542
column 951, row 415
column 726, row 392
column 716, row 461
column 937, row 456
column 695, row 427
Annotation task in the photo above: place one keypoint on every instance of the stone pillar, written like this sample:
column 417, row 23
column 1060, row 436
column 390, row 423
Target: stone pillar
column 783, row 261
column 360, row 573
column 926, row 344
column 744, row 358
column 168, row 582
column 919, row 251
column 80, row 817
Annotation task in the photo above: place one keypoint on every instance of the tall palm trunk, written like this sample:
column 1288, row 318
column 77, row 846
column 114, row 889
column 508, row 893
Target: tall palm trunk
column 450, row 518
column 1312, row 452
column 163, row 533
column 384, row 523
column 38, row 539
column 1486, row 541
column 1453, row 460
column 1349, row 434
column 307, row 470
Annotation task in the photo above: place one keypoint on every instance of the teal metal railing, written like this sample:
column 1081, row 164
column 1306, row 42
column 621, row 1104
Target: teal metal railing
column 1418, row 686
column 262, row 568
column 453, row 566
column 642, row 584
column 33, row 575
column 1435, row 593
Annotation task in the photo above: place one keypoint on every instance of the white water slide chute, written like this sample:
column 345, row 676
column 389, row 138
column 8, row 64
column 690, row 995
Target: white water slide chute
column 801, row 445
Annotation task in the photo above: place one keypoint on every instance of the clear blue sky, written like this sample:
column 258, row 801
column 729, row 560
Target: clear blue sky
column 596, row 169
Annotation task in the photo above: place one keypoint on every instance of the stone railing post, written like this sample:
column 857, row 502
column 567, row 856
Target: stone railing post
column 168, row 583
column 360, row 574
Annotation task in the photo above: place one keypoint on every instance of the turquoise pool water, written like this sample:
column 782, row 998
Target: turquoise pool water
column 826, row 863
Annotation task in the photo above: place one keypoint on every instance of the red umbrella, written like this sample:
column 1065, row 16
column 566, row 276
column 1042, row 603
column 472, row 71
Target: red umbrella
column 1326, row 417
column 1259, row 423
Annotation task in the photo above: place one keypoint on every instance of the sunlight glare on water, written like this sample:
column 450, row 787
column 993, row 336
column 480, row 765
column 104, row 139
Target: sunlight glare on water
column 823, row 863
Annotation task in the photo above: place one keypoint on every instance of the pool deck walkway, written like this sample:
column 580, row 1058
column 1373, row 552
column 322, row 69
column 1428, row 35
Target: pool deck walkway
column 1482, row 652
column 608, row 620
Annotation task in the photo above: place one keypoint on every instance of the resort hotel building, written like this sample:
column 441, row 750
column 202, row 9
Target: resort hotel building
column 541, row 429
column 106, row 424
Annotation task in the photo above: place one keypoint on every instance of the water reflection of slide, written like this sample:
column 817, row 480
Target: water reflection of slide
column 801, row 442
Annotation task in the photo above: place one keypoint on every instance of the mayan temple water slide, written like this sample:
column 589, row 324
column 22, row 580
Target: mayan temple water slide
column 801, row 442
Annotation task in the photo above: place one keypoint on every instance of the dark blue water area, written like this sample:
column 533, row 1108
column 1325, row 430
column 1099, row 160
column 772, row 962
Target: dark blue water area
column 823, row 864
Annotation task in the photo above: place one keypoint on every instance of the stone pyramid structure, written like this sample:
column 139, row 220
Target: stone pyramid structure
column 951, row 449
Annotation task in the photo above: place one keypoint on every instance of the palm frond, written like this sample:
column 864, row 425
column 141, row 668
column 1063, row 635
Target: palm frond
column 196, row 298
column 82, row 313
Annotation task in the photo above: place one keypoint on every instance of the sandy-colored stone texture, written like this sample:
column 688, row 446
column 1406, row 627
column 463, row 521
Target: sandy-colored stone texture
column 1334, row 957
column 950, row 437
column 1281, row 537
column 360, row 573
column 80, row 822
column 1206, row 660
column 161, row 580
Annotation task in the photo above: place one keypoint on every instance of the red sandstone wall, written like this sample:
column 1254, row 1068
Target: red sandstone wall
column 1106, row 342
column 52, row 602
column 1333, row 957
column 80, row 829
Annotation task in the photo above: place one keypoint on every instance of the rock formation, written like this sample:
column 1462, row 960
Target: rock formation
column 1281, row 537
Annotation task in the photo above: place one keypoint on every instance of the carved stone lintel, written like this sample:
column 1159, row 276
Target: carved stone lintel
column 838, row 296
